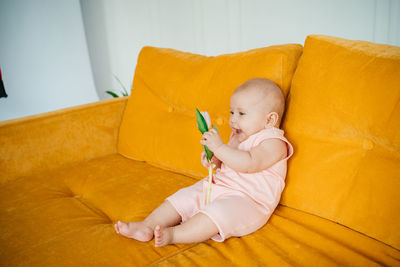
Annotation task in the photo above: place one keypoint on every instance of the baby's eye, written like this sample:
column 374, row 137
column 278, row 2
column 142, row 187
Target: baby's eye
column 242, row 113
column 232, row 112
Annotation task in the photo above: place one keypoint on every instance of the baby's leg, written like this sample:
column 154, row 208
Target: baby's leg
column 164, row 215
column 197, row 229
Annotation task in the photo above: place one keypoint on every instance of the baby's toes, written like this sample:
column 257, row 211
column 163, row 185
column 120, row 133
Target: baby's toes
column 157, row 235
column 157, row 231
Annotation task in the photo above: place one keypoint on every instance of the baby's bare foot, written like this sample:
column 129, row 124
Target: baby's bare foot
column 136, row 230
column 162, row 236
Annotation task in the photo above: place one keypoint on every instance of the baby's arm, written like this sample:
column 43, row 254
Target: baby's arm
column 232, row 143
column 259, row 158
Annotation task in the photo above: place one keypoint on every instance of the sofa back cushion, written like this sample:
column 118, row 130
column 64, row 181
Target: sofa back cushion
column 343, row 119
column 159, row 124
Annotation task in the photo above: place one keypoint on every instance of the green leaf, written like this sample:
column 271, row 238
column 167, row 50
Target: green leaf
column 201, row 122
column 112, row 93
column 120, row 83
column 209, row 154
column 202, row 125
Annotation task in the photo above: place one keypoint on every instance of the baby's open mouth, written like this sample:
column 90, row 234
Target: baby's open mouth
column 237, row 131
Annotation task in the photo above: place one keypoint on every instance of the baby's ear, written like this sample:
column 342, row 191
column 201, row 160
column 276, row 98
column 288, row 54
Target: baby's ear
column 272, row 120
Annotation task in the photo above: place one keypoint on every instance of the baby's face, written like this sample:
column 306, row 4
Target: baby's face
column 248, row 113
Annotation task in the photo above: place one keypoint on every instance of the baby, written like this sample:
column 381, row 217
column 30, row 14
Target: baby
column 247, row 185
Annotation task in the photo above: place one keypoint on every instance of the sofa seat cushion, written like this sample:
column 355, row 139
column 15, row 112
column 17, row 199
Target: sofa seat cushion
column 343, row 119
column 65, row 217
column 159, row 122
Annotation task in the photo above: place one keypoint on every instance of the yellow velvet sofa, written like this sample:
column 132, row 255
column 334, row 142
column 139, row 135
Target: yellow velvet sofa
column 68, row 175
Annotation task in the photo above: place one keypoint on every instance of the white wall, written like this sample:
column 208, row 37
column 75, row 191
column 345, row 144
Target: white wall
column 50, row 50
column 43, row 57
column 121, row 27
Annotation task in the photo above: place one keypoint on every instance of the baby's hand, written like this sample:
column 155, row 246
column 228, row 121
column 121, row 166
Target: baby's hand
column 214, row 161
column 204, row 160
column 212, row 140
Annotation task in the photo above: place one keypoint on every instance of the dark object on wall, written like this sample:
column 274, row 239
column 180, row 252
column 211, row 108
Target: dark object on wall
column 2, row 90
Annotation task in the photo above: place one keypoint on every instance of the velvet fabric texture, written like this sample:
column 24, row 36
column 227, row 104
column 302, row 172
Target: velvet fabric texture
column 344, row 121
column 55, row 139
column 65, row 216
column 169, row 85
column 63, row 183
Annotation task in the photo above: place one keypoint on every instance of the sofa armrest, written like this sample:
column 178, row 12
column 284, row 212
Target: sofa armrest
column 58, row 138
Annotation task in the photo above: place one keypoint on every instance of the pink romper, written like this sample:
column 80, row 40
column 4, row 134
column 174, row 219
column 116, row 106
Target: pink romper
column 240, row 203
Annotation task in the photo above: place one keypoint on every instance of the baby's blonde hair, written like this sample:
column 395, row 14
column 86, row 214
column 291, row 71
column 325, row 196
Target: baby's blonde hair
column 273, row 96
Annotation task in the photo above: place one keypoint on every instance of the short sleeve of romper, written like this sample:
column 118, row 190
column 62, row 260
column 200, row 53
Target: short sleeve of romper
column 241, row 203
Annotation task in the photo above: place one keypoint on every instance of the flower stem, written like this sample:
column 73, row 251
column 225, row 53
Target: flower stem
column 210, row 168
